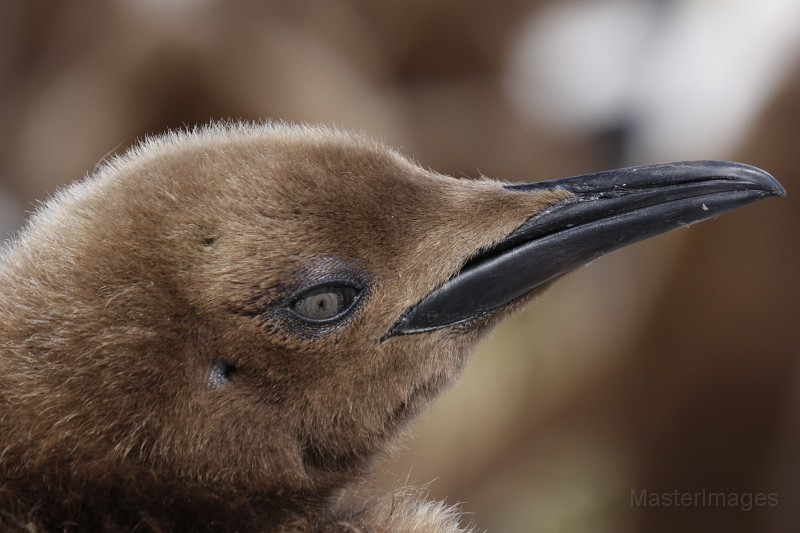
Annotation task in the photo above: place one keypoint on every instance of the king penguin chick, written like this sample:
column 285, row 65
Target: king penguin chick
column 222, row 330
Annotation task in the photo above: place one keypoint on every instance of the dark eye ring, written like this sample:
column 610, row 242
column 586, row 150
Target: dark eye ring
column 325, row 304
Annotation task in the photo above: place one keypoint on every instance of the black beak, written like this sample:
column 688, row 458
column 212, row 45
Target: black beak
column 609, row 210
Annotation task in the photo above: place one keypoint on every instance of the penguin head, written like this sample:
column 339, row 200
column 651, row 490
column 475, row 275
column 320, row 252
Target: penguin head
column 264, row 308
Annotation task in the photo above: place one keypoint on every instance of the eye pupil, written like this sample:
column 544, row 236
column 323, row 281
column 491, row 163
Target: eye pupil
column 325, row 303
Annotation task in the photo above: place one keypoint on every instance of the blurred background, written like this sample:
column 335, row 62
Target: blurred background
column 672, row 365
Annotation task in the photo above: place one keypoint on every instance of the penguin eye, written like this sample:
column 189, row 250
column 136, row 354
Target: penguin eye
column 326, row 303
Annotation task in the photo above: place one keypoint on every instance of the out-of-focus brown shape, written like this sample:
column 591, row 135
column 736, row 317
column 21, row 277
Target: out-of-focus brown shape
column 93, row 77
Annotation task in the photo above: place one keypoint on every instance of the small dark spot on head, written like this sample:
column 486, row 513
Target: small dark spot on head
column 221, row 373
column 209, row 241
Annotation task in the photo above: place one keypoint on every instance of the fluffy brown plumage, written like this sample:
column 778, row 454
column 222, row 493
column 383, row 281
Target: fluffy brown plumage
column 150, row 376
column 223, row 330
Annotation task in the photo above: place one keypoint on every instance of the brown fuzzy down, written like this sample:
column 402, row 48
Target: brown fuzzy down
column 151, row 377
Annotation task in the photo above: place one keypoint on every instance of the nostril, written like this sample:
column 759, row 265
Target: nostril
column 221, row 373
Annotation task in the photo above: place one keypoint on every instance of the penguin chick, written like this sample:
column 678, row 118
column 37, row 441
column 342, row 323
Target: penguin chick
column 222, row 330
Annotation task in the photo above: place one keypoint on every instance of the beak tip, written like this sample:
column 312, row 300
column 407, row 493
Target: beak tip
column 778, row 190
column 764, row 179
